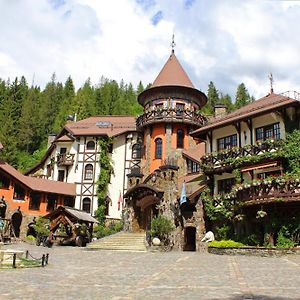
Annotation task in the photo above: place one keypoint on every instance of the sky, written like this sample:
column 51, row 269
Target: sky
column 226, row 42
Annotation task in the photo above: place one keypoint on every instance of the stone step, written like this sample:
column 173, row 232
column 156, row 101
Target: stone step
column 120, row 241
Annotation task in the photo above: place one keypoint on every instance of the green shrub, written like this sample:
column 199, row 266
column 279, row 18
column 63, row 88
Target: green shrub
column 226, row 244
column 42, row 226
column 161, row 227
column 223, row 232
column 101, row 231
column 284, row 238
column 30, row 238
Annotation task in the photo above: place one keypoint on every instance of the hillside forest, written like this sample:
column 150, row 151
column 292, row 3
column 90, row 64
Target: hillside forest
column 28, row 114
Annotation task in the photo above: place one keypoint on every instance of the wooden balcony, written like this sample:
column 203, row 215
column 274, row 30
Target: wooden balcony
column 230, row 158
column 171, row 115
column 268, row 191
column 65, row 159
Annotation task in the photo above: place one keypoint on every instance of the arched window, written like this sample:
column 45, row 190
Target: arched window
column 158, row 148
column 88, row 172
column 86, row 205
column 90, row 145
column 136, row 151
column 180, row 138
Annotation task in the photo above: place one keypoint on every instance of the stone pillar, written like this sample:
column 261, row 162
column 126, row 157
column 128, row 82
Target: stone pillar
column 200, row 227
column 147, row 151
column 168, row 139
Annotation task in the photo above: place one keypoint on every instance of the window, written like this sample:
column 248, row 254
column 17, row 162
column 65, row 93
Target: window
column 158, row 148
column 136, row 151
column 227, row 142
column 180, row 138
column 193, row 167
column 19, row 192
column 90, row 145
column 35, row 201
column 61, row 175
column 86, row 205
column 51, row 202
column 179, row 109
column 107, row 202
column 88, row 172
column 69, row 201
column 225, row 185
column 63, row 150
column 268, row 132
column 4, row 182
column 269, row 173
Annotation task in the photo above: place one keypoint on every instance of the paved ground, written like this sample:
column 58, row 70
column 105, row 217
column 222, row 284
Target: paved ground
column 74, row 273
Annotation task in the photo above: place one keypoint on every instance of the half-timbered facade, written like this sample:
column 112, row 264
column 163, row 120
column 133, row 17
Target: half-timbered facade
column 73, row 156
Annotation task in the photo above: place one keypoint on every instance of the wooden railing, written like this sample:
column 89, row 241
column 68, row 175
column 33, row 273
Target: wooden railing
column 65, row 159
column 171, row 115
column 266, row 191
column 220, row 159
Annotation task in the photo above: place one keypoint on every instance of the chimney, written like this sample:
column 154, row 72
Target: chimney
column 51, row 138
column 220, row 110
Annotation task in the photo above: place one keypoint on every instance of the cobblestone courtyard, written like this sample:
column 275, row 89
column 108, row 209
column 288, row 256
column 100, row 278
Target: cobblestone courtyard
column 75, row 273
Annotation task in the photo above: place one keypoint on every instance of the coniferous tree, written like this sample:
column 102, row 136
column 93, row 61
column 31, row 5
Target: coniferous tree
column 242, row 97
column 226, row 100
column 212, row 99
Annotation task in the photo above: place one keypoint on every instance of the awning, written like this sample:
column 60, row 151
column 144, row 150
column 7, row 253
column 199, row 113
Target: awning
column 262, row 166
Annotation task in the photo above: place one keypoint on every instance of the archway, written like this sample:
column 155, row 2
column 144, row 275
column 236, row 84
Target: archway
column 16, row 221
column 190, row 239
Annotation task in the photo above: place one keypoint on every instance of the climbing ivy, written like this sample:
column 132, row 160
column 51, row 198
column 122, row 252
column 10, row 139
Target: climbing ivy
column 104, row 177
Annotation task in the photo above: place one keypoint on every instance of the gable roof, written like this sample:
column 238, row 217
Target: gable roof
column 102, row 125
column 39, row 184
column 261, row 106
column 172, row 73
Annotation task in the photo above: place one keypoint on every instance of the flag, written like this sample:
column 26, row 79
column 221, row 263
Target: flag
column 183, row 194
column 119, row 201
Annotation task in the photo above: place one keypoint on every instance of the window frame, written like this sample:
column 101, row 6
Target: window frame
column 227, row 142
column 136, row 153
column 263, row 133
column 180, row 139
column 88, row 172
column 88, row 147
column 85, row 199
column 158, row 148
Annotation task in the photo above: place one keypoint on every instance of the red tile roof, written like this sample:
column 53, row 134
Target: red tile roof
column 195, row 153
column 172, row 73
column 261, row 106
column 102, row 125
column 38, row 184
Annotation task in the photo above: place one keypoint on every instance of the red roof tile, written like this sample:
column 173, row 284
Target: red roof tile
column 38, row 184
column 102, row 125
column 261, row 106
column 195, row 153
column 172, row 73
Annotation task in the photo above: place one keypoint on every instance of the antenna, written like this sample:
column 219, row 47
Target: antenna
column 173, row 43
column 271, row 83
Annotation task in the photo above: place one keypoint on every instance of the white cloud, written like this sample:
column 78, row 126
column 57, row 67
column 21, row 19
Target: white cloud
column 227, row 42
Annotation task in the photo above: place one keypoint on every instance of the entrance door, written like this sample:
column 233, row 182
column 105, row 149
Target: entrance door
column 190, row 239
column 147, row 215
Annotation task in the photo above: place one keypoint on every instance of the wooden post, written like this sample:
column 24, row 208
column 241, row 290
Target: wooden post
column 27, row 254
column 47, row 258
column 43, row 260
column 14, row 260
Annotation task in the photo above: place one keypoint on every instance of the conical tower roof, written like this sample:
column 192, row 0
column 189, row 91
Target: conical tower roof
column 172, row 80
column 172, row 73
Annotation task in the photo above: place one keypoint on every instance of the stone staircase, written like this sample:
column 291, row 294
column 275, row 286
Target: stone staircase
column 123, row 241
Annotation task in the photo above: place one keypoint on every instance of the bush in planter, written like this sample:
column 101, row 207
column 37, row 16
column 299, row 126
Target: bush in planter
column 42, row 226
column 30, row 238
column 226, row 244
column 283, row 239
column 161, row 227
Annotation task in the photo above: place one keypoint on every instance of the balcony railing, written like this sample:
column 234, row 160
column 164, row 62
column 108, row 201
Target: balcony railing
column 65, row 159
column 238, row 156
column 276, row 189
column 269, row 190
column 171, row 115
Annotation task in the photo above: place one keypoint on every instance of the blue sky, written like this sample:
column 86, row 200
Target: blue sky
column 227, row 42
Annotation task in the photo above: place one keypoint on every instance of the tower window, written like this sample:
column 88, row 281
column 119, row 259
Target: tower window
column 88, row 172
column 158, row 148
column 136, row 151
column 180, row 138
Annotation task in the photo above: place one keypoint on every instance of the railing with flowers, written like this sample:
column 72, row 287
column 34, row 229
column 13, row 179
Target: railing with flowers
column 235, row 156
column 171, row 115
column 272, row 189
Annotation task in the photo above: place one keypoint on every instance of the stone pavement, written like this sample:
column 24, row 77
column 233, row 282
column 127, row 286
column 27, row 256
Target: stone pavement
column 75, row 273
